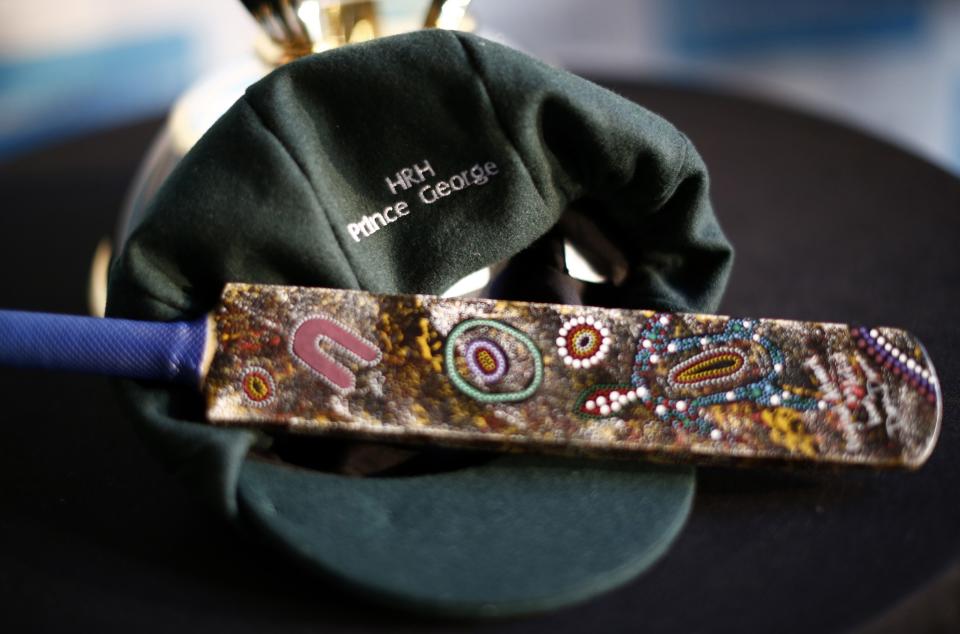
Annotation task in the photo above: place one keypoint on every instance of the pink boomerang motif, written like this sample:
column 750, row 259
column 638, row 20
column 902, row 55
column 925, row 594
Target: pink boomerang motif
column 306, row 347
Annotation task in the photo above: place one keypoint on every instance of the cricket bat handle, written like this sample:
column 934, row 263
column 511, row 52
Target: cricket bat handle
column 160, row 351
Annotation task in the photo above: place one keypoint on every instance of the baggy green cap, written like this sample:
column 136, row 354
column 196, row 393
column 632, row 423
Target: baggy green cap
column 401, row 165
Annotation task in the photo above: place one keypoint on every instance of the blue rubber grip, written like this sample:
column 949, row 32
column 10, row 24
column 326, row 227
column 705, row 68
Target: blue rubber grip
column 161, row 351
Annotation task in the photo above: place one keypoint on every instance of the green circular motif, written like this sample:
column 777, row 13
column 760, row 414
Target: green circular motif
column 486, row 397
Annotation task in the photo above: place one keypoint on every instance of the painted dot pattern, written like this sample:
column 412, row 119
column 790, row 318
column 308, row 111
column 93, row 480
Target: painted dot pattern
column 900, row 363
column 709, row 368
column 477, row 351
column 486, row 360
column 583, row 342
column 717, row 370
column 258, row 386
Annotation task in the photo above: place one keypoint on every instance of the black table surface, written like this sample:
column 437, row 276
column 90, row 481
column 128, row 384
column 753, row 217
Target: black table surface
column 829, row 224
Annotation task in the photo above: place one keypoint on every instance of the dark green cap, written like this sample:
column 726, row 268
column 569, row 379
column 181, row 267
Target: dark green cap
column 401, row 165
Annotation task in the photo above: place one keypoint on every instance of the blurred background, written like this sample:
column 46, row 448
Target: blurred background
column 891, row 67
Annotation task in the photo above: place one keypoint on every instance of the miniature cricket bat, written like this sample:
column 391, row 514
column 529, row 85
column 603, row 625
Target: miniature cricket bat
column 687, row 388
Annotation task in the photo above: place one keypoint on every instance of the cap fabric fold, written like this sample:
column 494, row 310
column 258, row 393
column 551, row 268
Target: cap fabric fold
column 401, row 165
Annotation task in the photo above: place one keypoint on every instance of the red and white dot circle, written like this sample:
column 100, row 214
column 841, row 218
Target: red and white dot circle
column 258, row 386
column 583, row 342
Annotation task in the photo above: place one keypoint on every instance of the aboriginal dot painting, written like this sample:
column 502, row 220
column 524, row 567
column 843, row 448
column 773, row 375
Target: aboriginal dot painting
column 678, row 379
column 257, row 386
column 583, row 342
column 572, row 379
column 492, row 362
